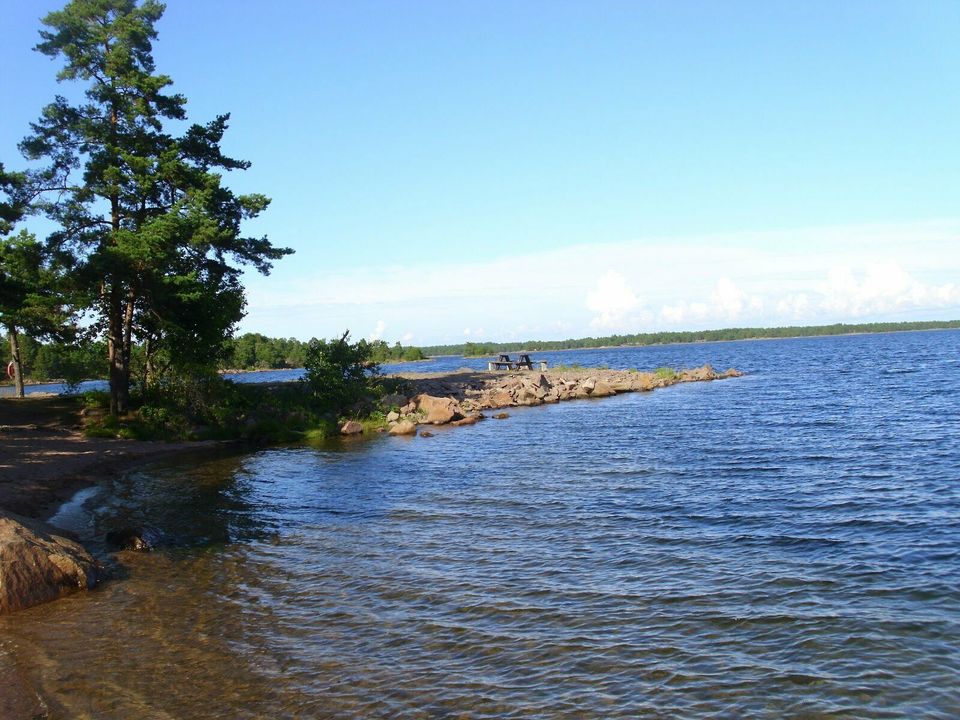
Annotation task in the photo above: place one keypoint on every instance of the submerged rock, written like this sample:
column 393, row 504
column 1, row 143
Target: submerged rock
column 138, row 539
column 38, row 564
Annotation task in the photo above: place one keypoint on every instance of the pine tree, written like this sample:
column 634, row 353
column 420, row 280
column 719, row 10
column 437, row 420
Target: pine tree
column 153, row 231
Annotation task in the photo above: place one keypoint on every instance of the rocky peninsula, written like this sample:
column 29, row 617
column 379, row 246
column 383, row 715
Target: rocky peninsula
column 461, row 398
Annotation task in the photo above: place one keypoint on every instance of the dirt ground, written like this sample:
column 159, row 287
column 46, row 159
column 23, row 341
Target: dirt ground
column 45, row 459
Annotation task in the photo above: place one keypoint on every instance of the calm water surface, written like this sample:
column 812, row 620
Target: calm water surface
column 786, row 544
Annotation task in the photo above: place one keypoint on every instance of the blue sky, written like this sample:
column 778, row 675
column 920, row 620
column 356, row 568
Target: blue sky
column 461, row 170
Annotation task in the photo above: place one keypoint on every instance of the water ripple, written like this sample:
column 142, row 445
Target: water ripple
column 783, row 545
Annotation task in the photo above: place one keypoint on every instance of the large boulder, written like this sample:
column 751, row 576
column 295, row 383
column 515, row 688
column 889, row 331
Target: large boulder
column 499, row 399
column 351, row 427
column 404, row 427
column 601, row 389
column 38, row 564
column 705, row 372
column 438, row 410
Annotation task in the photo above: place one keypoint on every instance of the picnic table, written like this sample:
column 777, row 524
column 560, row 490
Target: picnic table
column 503, row 362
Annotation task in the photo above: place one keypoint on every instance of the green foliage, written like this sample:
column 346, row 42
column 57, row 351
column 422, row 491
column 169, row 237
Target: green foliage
column 338, row 372
column 96, row 400
column 381, row 352
column 253, row 351
column 574, row 366
column 13, row 205
column 665, row 373
column 471, row 349
column 71, row 363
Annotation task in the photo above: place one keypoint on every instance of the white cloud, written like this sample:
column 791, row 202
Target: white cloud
column 612, row 301
column 881, row 288
column 794, row 305
column 728, row 299
column 808, row 276
column 728, row 303
column 377, row 331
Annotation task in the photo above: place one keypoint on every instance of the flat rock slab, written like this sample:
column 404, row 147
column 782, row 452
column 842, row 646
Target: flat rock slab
column 38, row 564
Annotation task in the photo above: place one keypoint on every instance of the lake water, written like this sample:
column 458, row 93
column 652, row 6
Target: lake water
column 786, row 544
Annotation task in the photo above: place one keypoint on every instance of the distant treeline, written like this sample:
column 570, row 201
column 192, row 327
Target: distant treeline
column 253, row 351
column 664, row 338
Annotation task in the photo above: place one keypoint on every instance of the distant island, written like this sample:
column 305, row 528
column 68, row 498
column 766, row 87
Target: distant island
column 474, row 349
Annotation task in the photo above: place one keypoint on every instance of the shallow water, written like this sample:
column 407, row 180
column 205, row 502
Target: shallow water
column 784, row 544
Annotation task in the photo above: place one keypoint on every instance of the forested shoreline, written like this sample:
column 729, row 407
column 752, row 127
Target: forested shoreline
column 255, row 351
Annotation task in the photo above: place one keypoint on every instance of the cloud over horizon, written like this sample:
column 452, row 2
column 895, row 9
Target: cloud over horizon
column 809, row 276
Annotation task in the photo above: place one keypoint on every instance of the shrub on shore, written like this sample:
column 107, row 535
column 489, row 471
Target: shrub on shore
column 341, row 383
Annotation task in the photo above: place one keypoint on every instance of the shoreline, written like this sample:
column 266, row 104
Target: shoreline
column 45, row 458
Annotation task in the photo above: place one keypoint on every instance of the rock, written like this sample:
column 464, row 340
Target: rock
column 701, row 373
column 469, row 420
column 500, row 398
column 643, row 381
column 732, row 372
column 501, row 416
column 38, row 564
column 439, row 410
column 404, row 427
column 393, row 400
column 426, row 433
column 139, row 539
column 351, row 427
column 526, row 396
column 393, row 416
column 542, row 382
column 408, row 408
column 601, row 389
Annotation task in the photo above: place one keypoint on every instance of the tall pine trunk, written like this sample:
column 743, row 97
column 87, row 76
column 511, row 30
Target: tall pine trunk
column 16, row 360
column 118, row 353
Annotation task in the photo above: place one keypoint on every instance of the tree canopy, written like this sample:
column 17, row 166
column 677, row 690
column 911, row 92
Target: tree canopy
column 154, row 234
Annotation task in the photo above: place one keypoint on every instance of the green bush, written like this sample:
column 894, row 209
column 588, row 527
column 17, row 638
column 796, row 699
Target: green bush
column 665, row 373
column 96, row 399
column 339, row 373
